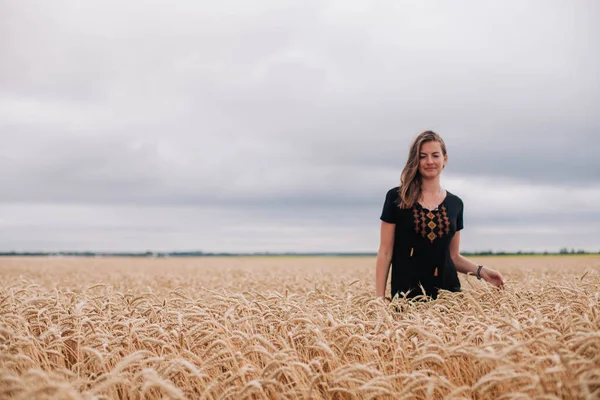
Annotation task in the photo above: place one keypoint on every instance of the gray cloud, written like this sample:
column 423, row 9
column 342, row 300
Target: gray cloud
column 295, row 108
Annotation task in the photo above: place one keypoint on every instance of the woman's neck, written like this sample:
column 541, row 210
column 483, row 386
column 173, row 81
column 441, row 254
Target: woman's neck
column 431, row 186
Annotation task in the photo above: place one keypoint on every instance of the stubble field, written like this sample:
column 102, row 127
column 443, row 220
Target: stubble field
column 234, row 328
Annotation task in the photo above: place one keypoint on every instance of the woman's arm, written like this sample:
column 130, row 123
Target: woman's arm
column 384, row 257
column 467, row 266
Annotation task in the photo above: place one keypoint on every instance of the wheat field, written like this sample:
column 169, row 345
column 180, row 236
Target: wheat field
column 284, row 327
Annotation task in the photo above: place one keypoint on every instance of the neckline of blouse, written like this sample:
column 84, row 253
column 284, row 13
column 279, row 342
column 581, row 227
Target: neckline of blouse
column 438, row 206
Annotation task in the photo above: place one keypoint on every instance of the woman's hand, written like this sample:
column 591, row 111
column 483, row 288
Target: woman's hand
column 492, row 276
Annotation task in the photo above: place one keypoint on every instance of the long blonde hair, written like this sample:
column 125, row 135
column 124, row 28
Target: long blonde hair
column 410, row 180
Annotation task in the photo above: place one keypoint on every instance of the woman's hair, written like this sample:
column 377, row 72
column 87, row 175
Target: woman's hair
column 410, row 180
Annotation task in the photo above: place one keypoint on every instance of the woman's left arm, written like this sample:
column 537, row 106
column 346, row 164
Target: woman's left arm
column 467, row 266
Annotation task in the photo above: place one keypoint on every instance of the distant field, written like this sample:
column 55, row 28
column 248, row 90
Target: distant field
column 293, row 327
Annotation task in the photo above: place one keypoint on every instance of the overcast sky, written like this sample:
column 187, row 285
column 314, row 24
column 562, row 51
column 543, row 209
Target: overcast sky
column 276, row 125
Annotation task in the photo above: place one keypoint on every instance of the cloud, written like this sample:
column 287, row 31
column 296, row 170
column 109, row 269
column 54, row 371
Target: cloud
column 298, row 108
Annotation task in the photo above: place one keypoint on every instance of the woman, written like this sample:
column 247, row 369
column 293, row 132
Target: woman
column 420, row 229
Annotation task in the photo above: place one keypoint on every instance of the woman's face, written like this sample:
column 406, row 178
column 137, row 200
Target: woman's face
column 431, row 160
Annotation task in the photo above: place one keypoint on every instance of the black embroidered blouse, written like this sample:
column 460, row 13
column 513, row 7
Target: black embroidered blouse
column 421, row 255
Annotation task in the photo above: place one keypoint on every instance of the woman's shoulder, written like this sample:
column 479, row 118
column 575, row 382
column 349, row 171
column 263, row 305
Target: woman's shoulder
column 392, row 196
column 394, row 191
column 453, row 198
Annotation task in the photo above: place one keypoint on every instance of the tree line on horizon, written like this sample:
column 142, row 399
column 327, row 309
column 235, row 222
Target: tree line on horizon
column 158, row 254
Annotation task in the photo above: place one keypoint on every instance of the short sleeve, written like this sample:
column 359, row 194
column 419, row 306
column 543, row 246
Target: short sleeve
column 459, row 218
column 388, row 214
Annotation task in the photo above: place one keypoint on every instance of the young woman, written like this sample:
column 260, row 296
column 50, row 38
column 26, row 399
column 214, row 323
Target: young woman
column 420, row 229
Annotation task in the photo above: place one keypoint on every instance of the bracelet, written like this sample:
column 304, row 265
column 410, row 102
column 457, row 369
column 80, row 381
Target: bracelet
column 479, row 271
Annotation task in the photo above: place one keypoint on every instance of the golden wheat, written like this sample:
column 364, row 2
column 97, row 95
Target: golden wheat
column 280, row 328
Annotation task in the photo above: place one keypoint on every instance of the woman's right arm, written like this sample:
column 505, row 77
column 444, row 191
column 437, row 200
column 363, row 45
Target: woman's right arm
column 384, row 257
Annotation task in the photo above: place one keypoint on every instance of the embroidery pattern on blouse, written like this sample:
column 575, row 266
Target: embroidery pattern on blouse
column 438, row 223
